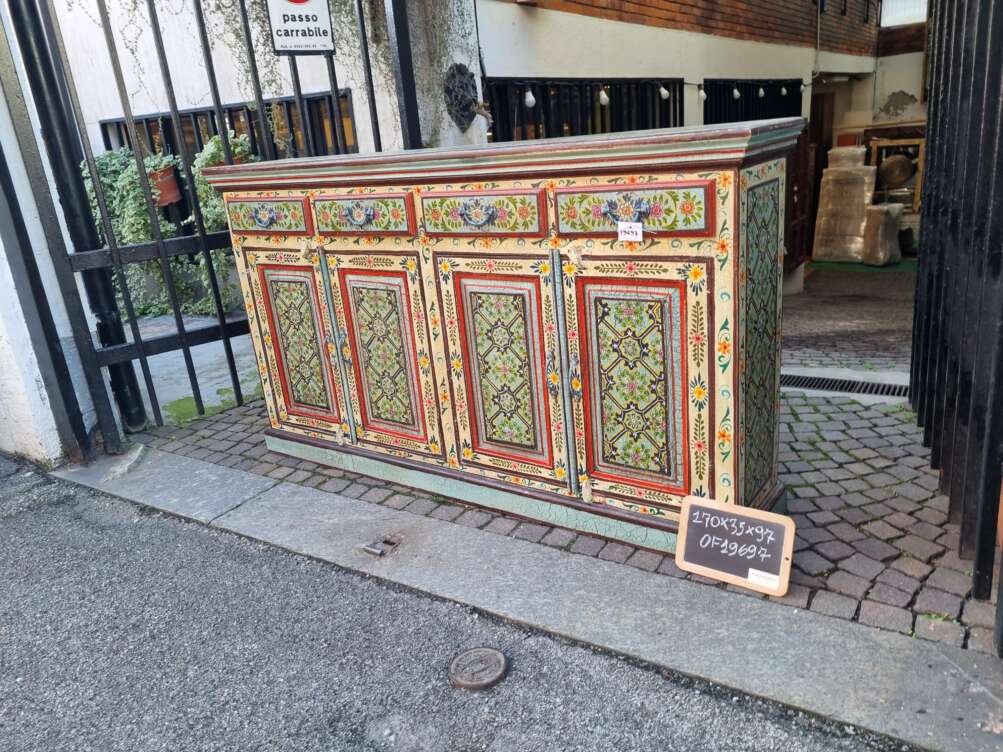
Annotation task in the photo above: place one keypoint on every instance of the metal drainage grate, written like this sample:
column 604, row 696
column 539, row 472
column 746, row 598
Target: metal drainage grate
column 845, row 386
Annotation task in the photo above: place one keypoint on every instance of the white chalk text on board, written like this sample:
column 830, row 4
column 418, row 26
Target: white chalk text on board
column 746, row 547
column 300, row 27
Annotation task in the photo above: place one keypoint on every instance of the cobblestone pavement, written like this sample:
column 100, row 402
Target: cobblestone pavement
column 859, row 320
column 873, row 543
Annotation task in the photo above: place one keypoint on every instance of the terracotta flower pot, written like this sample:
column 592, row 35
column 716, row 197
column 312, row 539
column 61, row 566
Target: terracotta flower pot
column 166, row 182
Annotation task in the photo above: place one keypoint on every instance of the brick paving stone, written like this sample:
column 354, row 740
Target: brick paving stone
column 830, row 489
column 501, row 525
column 800, row 544
column 918, row 547
column 669, row 567
column 926, row 514
column 814, row 534
column 823, row 518
column 912, row 567
column 853, row 484
column 314, row 481
column 298, row 476
column 587, row 546
column 878, row 509
column 377, row 495
column 951, row 560
column 424, row 506
column 230, row 461
column 472, row 518
column 829, row 503
column 838, row 474
column 913, row 492
column 834, row 550
column 355, row 490
column 932, row 601
column 558, row 537
column 531, row 531
column 979, row 614
column 926, row 530
column 981, row 639
column 899, row 581
column 847, row 584
column 903, row 505
column 646, row 560
column 800, row 506
column 875, row 549
column 900, row 520
column 280, row 472
column 811, row 563
column 617, row 552
column 940, row 631
column 862, row 566
column 856, row 499
column 447, row 512
column 805, row 492
column 833, row 604
column 879, row 480
column 881, row 530
column 332, row 472
column 949, row 580
column 397, row 501
column 885, row 616
column 854, row 516
column 845, row 532
column 889, row 595
column 263, row 468
column 879, row 494
column 796, row 596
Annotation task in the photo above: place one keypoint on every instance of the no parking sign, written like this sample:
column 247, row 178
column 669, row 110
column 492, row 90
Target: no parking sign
column 301, row 27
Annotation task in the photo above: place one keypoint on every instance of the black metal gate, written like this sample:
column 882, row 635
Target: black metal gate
column 99, row 256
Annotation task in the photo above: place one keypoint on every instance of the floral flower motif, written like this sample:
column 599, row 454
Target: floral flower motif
column 724, row 436
column 724, row 347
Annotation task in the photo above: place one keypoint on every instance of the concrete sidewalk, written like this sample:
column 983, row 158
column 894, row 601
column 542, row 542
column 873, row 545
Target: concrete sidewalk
column 931, row 695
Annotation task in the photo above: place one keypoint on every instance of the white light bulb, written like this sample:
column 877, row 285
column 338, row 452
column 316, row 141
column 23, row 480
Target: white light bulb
column 783, row 91
column 761, row 93
column 663, row 92
column 702, row 94
column 529, row 99
column 603, row 97
column 736, row 94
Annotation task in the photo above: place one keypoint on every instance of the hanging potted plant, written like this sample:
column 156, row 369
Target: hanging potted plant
column 163, row 179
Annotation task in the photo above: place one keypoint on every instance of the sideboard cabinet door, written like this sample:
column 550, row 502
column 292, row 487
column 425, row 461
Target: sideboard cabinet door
column 641, row 385
column 503, row 351
column 290, row 325
column 380, row 306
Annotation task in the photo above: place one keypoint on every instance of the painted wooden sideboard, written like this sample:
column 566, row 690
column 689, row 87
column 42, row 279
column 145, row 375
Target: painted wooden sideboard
column 466, row 321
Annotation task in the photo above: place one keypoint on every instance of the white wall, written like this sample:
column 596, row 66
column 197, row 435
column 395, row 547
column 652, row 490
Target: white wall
column 523, row 41
column 898, row 88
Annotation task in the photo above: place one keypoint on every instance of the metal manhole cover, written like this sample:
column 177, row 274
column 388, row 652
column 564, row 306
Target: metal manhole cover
column 478, row 668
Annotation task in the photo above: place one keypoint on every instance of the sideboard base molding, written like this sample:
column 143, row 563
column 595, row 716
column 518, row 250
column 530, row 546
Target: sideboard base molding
column 613, row 524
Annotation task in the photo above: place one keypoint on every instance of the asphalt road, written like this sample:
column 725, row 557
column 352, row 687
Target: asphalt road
column 123, row 629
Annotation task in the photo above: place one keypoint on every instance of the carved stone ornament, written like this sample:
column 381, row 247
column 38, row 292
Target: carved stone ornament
column 460, row 91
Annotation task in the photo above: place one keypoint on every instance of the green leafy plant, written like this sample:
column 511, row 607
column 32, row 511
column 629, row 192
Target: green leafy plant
column 213, row 210
column 128, row 207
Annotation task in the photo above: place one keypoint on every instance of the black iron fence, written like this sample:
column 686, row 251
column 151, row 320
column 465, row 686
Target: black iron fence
column 756, row 100
column 163, row 153
column 289, row 133
column 957, row 364
column 523, row 109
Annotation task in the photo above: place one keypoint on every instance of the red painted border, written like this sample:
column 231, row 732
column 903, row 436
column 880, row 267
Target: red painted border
column 541, row 209
column 545, row 430
column 710, row 186
column 412, row 223
column 583, row 343
column 356, row 360
column 335, row 413
column 304, row 203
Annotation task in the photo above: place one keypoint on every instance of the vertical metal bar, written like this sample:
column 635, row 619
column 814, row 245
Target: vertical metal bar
column 105, row 215
column 144, row 183
column 196, row 131
column 341, row 143
column 252, row 130
column 292, row 145
column 403, row 63
column 305, row 125
column 62, row 144
column 210, row 71
column 367, row 69
column 252, row 64
column 186, row 164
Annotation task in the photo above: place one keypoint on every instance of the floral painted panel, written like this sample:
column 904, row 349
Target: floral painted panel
column 633, row 368
column 384, row 352
column 288, row 216
column 505, row 370
column 485, row 214
column 377, row 214
column 670, row 209
column 761, row 334
column 299, row 342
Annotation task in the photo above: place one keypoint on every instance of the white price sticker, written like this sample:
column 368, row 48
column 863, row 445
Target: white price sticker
column 630, row 231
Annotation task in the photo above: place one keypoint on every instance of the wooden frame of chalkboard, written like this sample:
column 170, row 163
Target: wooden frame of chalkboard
column 738, row 545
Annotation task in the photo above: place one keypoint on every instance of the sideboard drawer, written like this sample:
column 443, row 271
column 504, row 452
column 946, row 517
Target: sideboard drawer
column 667, row 209
column 365, row 214
column 269, row 216
column 491, row 214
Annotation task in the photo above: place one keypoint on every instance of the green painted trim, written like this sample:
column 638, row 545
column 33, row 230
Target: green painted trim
column 482, row 496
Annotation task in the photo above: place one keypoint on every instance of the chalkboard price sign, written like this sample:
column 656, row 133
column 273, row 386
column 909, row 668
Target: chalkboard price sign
column 738, row 545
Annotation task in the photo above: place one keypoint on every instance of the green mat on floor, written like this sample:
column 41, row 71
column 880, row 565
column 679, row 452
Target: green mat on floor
column 905, row 265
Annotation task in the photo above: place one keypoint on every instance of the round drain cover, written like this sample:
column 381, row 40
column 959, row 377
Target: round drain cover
column 478, row 668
